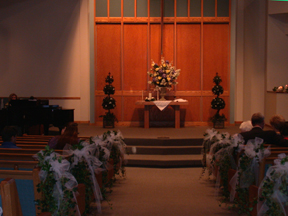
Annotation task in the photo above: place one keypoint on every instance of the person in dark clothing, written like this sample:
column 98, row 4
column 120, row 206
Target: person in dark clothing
column 269, row 136
column 9, row 136
column 69, row 135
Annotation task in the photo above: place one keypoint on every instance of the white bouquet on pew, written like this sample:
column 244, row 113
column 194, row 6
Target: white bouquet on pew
column 58, row 185
column 273, row 191
column 210, row 136
column 247, row 172
column 113, row 142
column 225, row 160
column 84, row 165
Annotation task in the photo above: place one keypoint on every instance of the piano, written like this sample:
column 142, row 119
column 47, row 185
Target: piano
column 27, row 113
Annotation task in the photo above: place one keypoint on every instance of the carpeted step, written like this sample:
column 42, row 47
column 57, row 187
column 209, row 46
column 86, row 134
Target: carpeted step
column 163, row 141
column 164, row 150
column 164, row 161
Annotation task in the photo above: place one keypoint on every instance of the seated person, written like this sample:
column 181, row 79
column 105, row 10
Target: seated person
column 284, row 131
column 277, row 122
column 9, row 135
column 246, row 126
column 12, row 96
column 269, row 136
column 69, row 135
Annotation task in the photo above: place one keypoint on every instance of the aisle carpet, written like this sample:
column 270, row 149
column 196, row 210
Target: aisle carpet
column 167, row 192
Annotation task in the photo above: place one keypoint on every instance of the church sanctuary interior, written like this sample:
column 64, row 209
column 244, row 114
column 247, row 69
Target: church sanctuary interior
column 63, row 58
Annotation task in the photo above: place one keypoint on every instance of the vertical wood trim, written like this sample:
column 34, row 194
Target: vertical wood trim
column 148, row 44
column 122, row 59
column 201, row 62
column 95, row 69
column 216, row 3
column 175, row 36
column 162, row 20
column 108, row 9
column 189, row 8
column 135, row 9
column 229, row 62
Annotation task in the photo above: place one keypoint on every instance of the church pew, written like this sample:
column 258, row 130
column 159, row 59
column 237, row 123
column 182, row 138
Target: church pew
column 16, row 156
column 34, row 176
column 24, row 178
column 25, row 151
column 253, row 189
column 16, row 165
column 10, row 198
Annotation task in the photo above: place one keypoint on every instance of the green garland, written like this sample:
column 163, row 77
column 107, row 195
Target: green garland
column 242, row 201
column 269, row 187
column 48, row 203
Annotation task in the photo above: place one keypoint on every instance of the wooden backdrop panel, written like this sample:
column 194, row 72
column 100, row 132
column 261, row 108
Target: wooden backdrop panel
column 135, row 57
column 188, row 56
column 168, row 41
column 108, row 54
column 155, row 43
column 216, row 54
column 132, row 111
column 208, row 112
column 168, row 37
column 100, row 111
column 191, row 113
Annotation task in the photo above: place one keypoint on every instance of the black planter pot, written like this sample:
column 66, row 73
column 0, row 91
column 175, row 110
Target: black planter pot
column 108, row 123
column 218, row 124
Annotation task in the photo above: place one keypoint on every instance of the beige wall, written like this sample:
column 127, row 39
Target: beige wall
column 45, row 51
column 277, row 46
column 250, row 54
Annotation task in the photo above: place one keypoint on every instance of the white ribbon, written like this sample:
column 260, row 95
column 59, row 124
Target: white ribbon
column 87, row 154
column 60, row 170
column 276, row 174
column 250, row 174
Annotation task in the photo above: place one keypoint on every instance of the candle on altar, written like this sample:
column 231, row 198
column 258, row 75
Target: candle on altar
column 150, row 96
column 157, row 95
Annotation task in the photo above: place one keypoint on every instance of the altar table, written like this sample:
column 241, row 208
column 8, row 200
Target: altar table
column 173, row 104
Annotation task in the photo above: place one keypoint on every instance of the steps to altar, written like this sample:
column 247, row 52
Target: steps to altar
column 164, row 152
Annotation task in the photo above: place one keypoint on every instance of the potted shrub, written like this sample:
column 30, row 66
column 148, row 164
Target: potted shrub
column 109, row 103
column 218, row 103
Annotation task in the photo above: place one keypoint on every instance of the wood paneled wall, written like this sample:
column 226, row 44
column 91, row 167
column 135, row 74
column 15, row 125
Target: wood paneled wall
column 199, row 48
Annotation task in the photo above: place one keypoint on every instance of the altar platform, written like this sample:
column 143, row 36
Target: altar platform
column 159, row 147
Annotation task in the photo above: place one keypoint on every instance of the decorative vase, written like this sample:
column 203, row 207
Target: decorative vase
column 163, row 93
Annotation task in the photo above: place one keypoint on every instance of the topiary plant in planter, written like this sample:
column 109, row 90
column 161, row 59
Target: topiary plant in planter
column 218, row 103
column 109, row 103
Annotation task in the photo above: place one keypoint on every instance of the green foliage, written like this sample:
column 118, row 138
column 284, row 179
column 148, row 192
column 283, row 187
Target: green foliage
column 269, row 187
column 48, row 203
column 109, row 102
column 242, row 200
column 83, row 176
column 217, row 103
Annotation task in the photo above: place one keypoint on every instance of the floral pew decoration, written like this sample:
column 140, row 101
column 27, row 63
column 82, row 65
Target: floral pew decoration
column 213, row 141
column 247, row 174
column 58, row 185
column 210, row 136
column 273, row 191
column 84, row 166
column 225, row 160
column 113, row 142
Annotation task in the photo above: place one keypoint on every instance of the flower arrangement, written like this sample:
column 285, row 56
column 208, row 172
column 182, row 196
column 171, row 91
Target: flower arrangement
column 163, row 75
column 273, row 188
column 281, row 89
column 254, row 152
